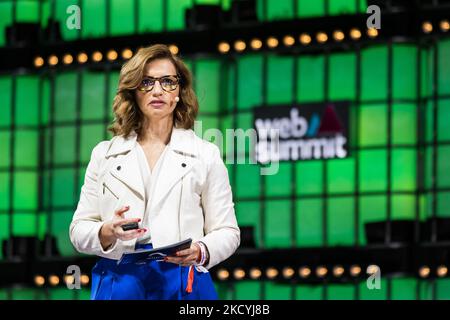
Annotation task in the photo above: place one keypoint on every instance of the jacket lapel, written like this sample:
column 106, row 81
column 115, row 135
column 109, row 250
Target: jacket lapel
column 127, row 169
column 128, row 172
column 179, row 160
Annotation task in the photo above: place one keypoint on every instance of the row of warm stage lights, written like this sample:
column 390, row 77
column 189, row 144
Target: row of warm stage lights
column 321, row 272
column 224, row 47
column 256, row 273
column 96, row 57
column 288, row 272
column 54, row 280
column 289, row 40
column 425, row 271
column 321, row 37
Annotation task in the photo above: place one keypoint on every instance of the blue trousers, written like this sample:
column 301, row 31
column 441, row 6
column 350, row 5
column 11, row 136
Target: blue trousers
column 155, row 280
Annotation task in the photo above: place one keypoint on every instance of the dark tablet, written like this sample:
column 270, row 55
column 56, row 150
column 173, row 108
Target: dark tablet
column 142, row 256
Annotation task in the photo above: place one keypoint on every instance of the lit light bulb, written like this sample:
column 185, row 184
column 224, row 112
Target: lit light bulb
column 272, row 42
column 355, row 270
column 288, row 41
column 445, row 25
column 372, row 32
column 82, row 58
column 239, row 274
column 427, row 27
column 305, row 39
column 97, row 56
column 127, row 54
column 338, row 271
column 84, row 279
column 174, row 49
column 255, row 273
column 271, row 273
column 321, row 271
column 224, row 47
column 53, row 280
column 288, row 272
column 112, row 55
column 424, row 271
column 239, row 46
column 39, row 280
column 53, row 60
column 223, row 274
column 256, row 44
column 322, row 37
column 338, row 35
column 304, row 272
column 355, row 34
column 442, row 271
column 38, row 62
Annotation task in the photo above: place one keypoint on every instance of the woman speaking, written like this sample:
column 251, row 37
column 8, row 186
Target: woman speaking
column 157, row 173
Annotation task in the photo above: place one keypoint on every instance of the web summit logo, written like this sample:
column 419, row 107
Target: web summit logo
column 306, row 132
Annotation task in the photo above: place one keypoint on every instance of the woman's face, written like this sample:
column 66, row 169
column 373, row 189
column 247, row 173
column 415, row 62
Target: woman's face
column 159, row 102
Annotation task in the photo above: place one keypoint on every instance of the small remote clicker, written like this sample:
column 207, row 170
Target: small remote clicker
column 130, row 226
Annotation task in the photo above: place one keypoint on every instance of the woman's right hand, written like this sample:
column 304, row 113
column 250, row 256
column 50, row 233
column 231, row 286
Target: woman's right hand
column 112, row 230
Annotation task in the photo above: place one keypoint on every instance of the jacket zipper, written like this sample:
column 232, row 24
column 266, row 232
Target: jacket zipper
column 105, row 186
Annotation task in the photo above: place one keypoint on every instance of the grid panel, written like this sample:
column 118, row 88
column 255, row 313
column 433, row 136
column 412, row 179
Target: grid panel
column 279, row 78
column 4, row 191
column 404, row 289
column 307, row 9
column 27, row 11
column 65, row 97
column 92, row 98
column 278, row 184
column 374, row 73
column 207, row 79
column 122, row 17
column 278, row 10
column 247, row 215
column 6, row 19
column 309, row 223
column 340, row 292
column 59, row 228
column 26, row 148
column 310, row 79
column 26, row 107
column 91, row 135
column 62, row 188
column 249, row 81
column 151, row 18
column 25, row 193
column 342, row 79
column 444, row 67
column 404, row 77
column 176, row 13
column 248, row 290
column 340, row 221
column 24, row 224
column 277, row 221
column 5, row 99
column 94, row 18
column 5, row 142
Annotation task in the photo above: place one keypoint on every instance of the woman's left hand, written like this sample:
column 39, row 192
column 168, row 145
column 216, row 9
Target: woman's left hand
column 186, row 257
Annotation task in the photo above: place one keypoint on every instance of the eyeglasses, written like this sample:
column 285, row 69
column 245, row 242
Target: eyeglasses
column 168, row 83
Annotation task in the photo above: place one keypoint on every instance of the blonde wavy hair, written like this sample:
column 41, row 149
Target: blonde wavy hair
column 127, row 115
